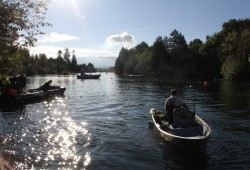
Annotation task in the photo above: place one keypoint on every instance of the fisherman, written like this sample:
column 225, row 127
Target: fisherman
column 45, row 86
column 172, row 103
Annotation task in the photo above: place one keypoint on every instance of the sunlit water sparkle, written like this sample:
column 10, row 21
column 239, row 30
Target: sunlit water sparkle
column 103, row 124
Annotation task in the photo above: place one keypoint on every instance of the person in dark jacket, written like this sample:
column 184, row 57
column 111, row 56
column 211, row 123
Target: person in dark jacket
column 173, row 102
column 45, row 86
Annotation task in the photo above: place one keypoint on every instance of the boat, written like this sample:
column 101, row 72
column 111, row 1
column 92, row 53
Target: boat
column 134, row 75
column 31, row 95
column 88, row 76
column 5, row 164
column 187, row 133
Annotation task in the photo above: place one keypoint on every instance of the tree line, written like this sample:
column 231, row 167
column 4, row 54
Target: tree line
column 20, row 24
column 65, row 63
column 225, row 54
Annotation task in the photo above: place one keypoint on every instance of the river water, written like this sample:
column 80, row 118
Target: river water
column 104, row 124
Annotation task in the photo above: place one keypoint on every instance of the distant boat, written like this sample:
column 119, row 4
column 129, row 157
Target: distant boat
column 187, row 133
column 134, row 75
column 88, row 76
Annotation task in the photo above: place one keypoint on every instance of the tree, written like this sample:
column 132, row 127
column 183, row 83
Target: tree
column 66, row 55
column 120, row 62
column 143, row 65
column 74, row 62
column 235, row 49
column 141, row 47
column 160, row 57
column 90, row 68
column 211, row 56
column 20, row 20
column 59, row 53
column 194, row 62
column 195, row 46
column 61, row 66
column 177, row 43
column 178, row 49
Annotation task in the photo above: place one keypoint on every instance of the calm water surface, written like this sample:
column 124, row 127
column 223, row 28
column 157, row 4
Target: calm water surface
column 103, row 124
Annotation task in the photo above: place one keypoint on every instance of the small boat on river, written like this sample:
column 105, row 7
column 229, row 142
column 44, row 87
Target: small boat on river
column 187, row 133
column 31, row 95
column 134, row 75
column 88, row 76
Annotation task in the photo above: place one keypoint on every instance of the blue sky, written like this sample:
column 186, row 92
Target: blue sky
column 100, row 28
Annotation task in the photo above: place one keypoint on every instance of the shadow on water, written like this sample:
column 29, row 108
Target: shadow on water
column 19, row 107
column 12, row 112
column 176, row 159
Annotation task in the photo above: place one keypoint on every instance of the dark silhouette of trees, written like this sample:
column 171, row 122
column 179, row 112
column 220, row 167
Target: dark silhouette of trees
column 20, row 19
column 224, row 54
column 74, row 63
column 40, row 64
column 178, row 49
column 235, row 49
column 160, row 57
column 122, row 60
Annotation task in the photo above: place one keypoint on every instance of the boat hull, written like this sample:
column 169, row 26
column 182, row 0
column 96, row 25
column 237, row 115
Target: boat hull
column 192, row 143
column 32, row 95
column 89, row 76
column 185, row 144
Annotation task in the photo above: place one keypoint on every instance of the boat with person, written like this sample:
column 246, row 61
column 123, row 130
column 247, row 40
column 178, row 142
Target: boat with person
column 188, row 131
column 31, row 95
column 88, row 76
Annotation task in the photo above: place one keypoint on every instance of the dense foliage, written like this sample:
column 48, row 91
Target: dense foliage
column 64, row 63
column 20, row 24
column 224, row 54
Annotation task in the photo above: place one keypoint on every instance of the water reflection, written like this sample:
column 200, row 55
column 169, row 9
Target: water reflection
column 103, row 125
column 52, row 141
column 235, row 97
column 176, row 159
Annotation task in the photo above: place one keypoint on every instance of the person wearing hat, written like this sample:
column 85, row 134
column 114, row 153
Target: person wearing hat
column 172, row 102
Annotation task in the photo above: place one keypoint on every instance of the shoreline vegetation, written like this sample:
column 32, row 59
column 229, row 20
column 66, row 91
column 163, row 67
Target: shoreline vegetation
column 220, row 57
column 224, row 55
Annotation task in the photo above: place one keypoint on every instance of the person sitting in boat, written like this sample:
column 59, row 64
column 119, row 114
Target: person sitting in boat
column 45, row 86
column 172, row 103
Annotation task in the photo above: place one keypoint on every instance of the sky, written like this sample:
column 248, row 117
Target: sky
column 100, row 28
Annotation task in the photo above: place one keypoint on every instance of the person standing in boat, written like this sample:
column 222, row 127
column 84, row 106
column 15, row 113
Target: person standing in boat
column 173, row 102
column 45, row 86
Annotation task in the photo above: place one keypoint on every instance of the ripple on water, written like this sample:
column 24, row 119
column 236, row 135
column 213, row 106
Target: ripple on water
column 49, row 138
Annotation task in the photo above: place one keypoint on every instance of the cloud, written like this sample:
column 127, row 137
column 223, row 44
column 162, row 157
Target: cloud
column 56, row 37
column 124, row 38
column 51, row 51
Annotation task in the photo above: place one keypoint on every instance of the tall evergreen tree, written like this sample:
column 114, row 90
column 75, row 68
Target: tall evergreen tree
column 66, row 55
column 74, row 62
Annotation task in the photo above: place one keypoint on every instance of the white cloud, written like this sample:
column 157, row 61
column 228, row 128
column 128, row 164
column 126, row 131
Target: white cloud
column 56, row 37
column 124, row 38
column 51, row 51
